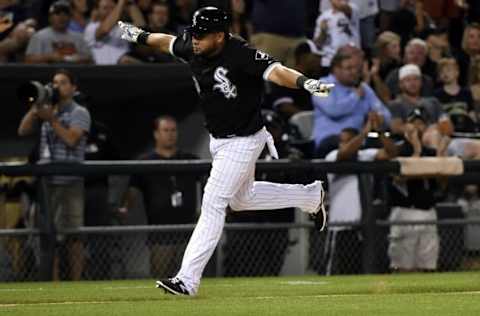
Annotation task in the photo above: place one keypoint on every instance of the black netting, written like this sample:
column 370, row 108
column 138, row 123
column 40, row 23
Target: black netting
column 242, row 252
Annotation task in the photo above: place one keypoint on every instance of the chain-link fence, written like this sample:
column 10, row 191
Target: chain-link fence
column 245, row 250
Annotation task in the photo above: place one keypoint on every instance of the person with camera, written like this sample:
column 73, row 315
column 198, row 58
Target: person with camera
column 63, row 126
column 348, row 104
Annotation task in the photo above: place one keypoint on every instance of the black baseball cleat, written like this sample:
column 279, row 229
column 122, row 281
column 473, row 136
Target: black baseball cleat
column 319, row 217
column 173, row 286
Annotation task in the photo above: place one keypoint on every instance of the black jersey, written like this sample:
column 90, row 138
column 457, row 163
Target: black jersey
column 229, row 84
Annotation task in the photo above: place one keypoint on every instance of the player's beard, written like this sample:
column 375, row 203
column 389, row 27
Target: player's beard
column 208, row 52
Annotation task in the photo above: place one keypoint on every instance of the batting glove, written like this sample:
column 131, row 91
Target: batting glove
column 129, row 32
column 318, row 88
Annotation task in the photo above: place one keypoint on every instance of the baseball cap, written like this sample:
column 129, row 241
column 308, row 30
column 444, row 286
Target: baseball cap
column 60, row 6
column 208, row 20
column 417, row 113
column 409, row 70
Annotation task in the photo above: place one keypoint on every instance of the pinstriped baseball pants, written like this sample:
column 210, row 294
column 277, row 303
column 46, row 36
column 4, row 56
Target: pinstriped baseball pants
column 231, row 183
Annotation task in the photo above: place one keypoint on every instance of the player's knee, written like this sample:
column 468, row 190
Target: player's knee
column 214, row 203
column 236, row 205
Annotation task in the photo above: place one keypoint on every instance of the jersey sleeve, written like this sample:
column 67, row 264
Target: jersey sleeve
column 181, row 47
column 255, row 62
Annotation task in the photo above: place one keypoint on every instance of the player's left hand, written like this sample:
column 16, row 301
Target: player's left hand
column 318, row 88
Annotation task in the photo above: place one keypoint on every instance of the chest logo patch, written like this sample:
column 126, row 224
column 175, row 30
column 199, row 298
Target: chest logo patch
column 224, row 85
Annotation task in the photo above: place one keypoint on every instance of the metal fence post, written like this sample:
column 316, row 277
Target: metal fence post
column 47, row 233
column 368, row 221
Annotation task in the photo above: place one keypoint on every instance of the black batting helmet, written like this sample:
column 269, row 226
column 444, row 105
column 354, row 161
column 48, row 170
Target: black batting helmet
column 209, row 20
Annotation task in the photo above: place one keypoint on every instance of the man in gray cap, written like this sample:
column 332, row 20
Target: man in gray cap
column 55, row 43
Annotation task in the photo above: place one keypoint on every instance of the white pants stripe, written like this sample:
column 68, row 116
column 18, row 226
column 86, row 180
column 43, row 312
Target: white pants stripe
column 231, row 182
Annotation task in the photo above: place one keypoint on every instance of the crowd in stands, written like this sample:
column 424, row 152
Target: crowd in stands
column 405, row 71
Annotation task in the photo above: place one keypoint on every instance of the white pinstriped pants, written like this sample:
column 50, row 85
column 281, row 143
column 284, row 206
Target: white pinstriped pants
column 231, row 182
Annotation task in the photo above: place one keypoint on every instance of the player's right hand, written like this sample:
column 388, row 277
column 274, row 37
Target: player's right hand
column 129, row 31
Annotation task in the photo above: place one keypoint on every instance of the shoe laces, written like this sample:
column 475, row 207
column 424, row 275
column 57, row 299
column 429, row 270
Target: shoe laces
column 176, row 280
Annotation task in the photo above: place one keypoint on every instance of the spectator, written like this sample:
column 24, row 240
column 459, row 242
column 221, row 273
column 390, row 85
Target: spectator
column 159, row 18
column 474, row 79
column 456, row 101
column 103, row 35
column 158, row 22
column 344, row 249
column 387, row 10
column 442, row 11
column 145, row 6
column 278, row 28
column 13, row 12
column 414, row 247
column 473, row 9
column 416, row 53
column 288, row 102
column 63, row 132
column 14, row 42
column 387, row 47
column 410, row 20
column 348, row 104
column 438, row 45
column 387, row 58
column 241, row 25
column 182, row 12
column 367, row 12
column 410, row 85
column 335, row 28
column 80, row 13
column 56, row 44
column 169, row 199
column 470, row 49
column 438, row 123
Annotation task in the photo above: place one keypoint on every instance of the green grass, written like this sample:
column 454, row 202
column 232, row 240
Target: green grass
column 409, row 294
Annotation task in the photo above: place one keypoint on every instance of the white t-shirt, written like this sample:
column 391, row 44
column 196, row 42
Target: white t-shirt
column 107, row 50
column 343, row 193
column 365, row 7
column 341, row 31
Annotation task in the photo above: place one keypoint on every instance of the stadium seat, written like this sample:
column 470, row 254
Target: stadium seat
column 303, row 122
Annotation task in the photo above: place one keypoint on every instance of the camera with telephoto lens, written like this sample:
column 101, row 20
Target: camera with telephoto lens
column 35, row 93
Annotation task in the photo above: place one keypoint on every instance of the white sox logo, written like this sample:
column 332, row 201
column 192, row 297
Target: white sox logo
column 224, row 85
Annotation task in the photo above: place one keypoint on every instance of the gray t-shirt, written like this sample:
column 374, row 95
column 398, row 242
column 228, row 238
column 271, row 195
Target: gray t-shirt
column 48, row 41
column 400, row 108
column 54, row 149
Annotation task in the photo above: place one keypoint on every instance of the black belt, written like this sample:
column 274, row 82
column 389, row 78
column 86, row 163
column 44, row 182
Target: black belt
column 231, row 135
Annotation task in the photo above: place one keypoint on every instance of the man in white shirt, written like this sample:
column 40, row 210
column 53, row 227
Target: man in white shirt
column 343, row 246
column 103, row 35
column 367, row 11
column 335, row 28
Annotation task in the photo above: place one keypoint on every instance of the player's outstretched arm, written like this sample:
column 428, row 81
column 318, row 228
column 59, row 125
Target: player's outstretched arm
column 134, row 34
column 290, row 78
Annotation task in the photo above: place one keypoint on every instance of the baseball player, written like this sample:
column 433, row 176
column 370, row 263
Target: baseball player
column 228, row 76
